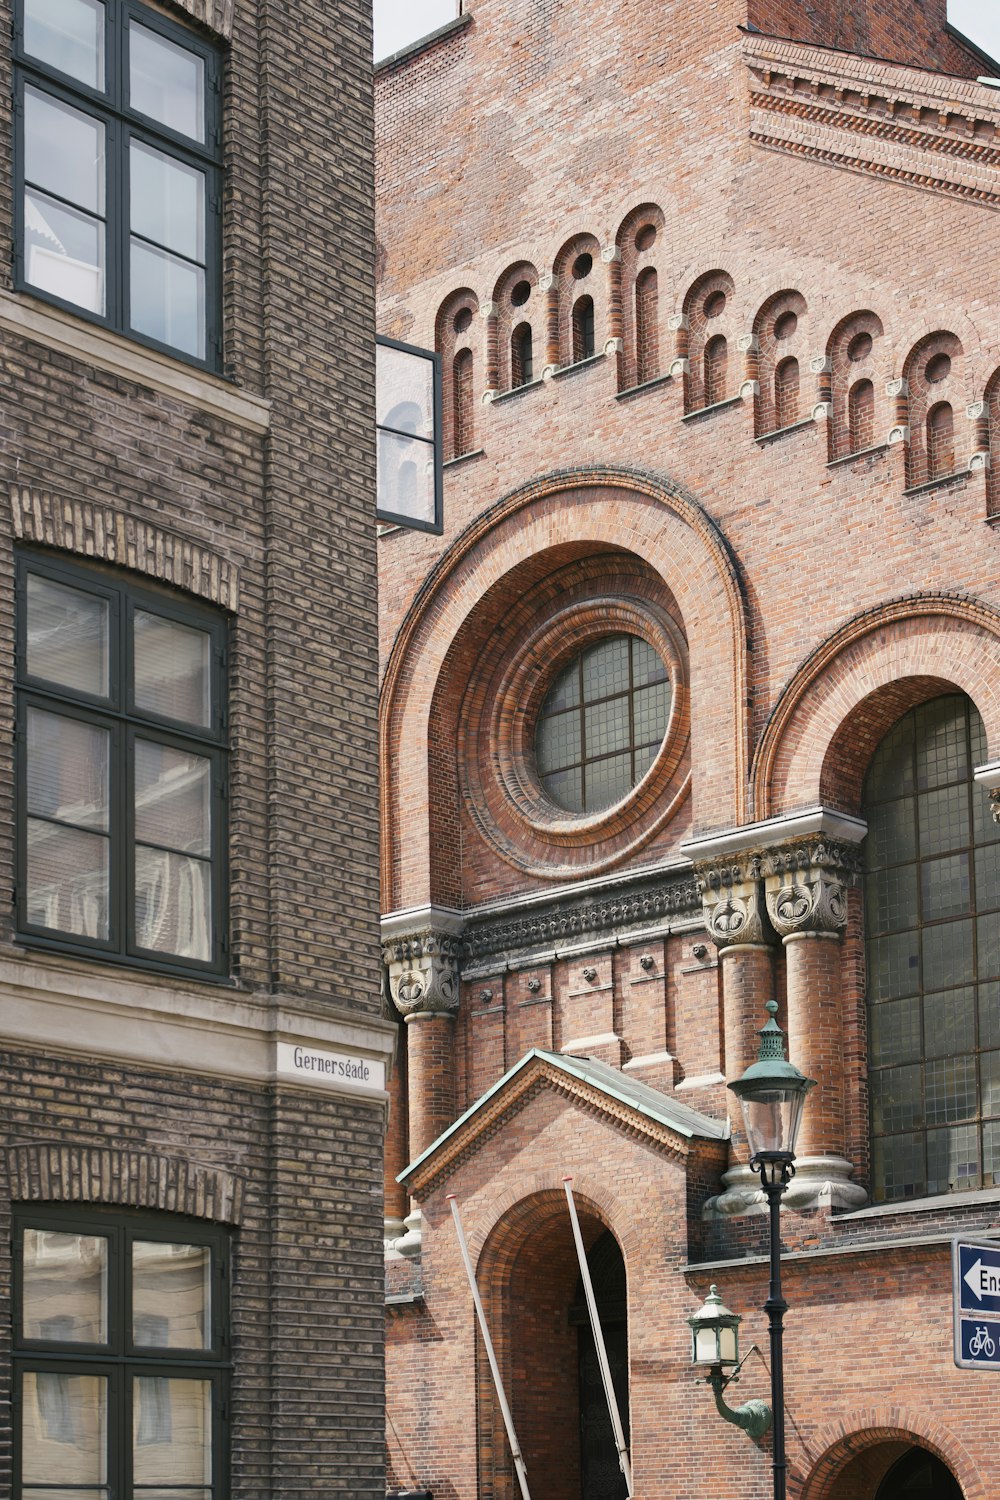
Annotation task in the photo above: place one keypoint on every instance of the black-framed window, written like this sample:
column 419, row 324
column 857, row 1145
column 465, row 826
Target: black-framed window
column 118, row 161
column 408, row 423
column 932, row 914
column 121, row 768
column 602, row 723
column 121, row 1355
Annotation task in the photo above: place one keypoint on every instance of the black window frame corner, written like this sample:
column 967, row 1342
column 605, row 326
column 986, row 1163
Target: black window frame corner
column 394, row 518
column 113, row 108
column 124, row 723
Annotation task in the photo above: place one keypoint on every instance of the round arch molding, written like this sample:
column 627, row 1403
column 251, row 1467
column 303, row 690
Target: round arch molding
column 616, row 511
column 848, row 693
column 861, row 1431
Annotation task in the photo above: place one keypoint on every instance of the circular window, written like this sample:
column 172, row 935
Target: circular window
column 646, row 238
column 786, row 325
column 521, row 293
column 715, row 305
column 463, row 319
column 582, row 266
column 938, row 368
column 860, row 347
column 601, row 724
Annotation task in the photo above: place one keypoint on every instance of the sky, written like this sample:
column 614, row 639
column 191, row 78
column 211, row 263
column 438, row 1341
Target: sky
column 399, row 22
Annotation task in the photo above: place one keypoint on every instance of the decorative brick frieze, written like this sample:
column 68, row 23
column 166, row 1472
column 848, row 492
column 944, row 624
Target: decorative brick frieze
column 93, row 530
column 55, row 1172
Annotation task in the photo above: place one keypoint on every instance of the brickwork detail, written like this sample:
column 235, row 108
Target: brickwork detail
column 52, row 1171
column 217, row 15
column 98, row 531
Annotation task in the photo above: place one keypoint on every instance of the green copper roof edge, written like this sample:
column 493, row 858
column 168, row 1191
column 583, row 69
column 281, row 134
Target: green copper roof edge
column 565, row 1062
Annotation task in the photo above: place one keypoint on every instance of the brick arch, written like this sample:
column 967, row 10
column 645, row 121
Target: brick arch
column 860, row 1431
column 616, row 510
column 50, row 1172
column 848, row 693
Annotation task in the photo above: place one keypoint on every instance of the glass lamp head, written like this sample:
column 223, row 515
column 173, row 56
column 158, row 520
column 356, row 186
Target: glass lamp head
column 714, row 1333
column 772, row 1093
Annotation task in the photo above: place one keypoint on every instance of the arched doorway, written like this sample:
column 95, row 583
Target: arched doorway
column 601, row 1477
column 919, row 1475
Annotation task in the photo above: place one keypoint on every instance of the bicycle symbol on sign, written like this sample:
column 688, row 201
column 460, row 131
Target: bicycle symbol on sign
column 981, row 1343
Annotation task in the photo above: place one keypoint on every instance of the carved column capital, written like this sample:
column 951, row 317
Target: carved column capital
column 422, row 962
column 806, row 883
column 732, row 903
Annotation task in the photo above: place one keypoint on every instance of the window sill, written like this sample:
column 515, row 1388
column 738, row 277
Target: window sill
column 780, row 432
column 849, row 458
column 460, row 458
column 936, row 484
column 708, row 411
column 647, row 385
column 971, row 1199
column 519, row 390
column 58, row 330
column 580, row 364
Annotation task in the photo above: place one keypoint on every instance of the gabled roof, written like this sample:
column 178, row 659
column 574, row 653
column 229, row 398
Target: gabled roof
column 632, row 1104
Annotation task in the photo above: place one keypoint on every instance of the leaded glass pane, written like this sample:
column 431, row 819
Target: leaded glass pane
column 989, row 1015
column 558, row 743
column 940, row 743
column 564, row 692
column 606, row 668
column 953, row 1159
column 608, row 781
column 891, row 899
column 652, row 709
column 644, row 758
column 891, row 771
column 991, row 1153
column 988, row 875
column 948, row 955
column 895, row 1031
column 988, row 935
column 899, row 1166
column 950, row 1022
column 646, row 665
column 894, row 966
column 892, row 833
column 606, row 727
column 566, row 789
column 943, row 819
column 896, row 1098
column 950, row 1089
column 990, row 1067
column 984, row 827
column 945, row 886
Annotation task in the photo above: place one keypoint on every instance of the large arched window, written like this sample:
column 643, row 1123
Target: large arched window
column 932, row 905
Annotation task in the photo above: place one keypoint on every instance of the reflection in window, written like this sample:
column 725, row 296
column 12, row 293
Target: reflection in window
column 602, row 724
column 407, row 409
column 932, row 904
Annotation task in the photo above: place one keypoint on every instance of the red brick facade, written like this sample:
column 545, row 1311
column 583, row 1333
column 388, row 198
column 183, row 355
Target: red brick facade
column 777, row 470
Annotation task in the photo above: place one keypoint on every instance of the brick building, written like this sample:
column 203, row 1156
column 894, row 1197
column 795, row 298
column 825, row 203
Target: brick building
column 194, row 1048
column 693, row 703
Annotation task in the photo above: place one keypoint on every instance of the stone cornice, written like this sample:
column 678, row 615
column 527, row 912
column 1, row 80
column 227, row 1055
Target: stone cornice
column 773, row 833
column 921, row 128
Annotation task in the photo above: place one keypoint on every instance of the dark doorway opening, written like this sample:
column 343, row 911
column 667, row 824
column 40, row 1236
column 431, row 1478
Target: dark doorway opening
column 601, row 1477
column 919, row 1475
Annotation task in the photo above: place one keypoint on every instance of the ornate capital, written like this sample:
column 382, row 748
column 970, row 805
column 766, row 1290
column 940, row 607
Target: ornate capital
column 731, row 902
column 897, row 388
column 821, row 365
column 677, row 321
column 806, row 885
column 422, row 963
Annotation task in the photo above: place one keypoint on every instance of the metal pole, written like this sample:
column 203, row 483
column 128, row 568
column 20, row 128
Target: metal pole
column 775, row 1307
column 602, row 1353
column 508, row 1420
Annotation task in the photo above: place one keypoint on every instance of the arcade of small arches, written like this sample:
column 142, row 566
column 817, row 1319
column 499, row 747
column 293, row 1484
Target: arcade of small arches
column 608, row 300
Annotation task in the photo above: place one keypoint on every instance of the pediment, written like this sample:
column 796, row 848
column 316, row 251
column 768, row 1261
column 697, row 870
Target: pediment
column 595, row 1087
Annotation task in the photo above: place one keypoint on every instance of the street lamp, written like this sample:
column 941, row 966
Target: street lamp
column 715, row 1342
column 772, row 1093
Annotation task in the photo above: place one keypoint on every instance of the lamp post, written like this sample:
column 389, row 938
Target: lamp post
column 772, row 1093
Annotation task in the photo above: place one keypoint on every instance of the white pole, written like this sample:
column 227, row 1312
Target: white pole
column 508, row 1420
column 602, row 1353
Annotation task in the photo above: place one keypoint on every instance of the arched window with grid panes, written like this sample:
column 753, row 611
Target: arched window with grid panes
column 932, row 912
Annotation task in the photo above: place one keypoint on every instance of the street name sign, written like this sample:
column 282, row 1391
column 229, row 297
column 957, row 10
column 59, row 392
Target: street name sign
column 975, row 1266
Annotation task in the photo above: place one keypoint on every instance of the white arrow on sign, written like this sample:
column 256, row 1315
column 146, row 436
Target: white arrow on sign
column 982, row 1281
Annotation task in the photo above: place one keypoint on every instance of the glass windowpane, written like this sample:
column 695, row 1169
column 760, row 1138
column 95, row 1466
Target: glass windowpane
column 991, row 1153
column 564, row 692
column 899, row 1168
column 895, row 1031
column 989, row 1015
column 943, row 819
column 64, row 1422
column 606, row 727
column 558, row 743
column 171, row 1295
column 894, row 966
column 64, row 252
column 167, row 201
column 651, row 711
column 68, row 770
column 404, row 391
column 67, row 880
column 69, row 36
column 646, row 665
column 942, row 755
column 167, row 299
column 173, row 798
column 948, row 955
column 988, row 940
column 607, row 781
column 891, row 899
column 67, row 636
column 63, row 150
column 173, row 904
column 644, row 758
column 173, row 677
column 64, row 1287
column 892, row 833
column 950, row 1086
column 566, row 789
column 988, row 876
column 171, row 1430
column 953, row 1159
column 990, row 1067
column 166, row 82
column 897, row 1098
column 950, row 1022
column 890, row 774
column 945, row 886
column 605, row 668
column 405, row 477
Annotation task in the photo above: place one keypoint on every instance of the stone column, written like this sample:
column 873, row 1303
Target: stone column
column 550, row 286
column 488, row 313
column 806, row 892
column 422, row 964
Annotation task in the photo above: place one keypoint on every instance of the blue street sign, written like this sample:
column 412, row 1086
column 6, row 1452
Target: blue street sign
column 976, row 1303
